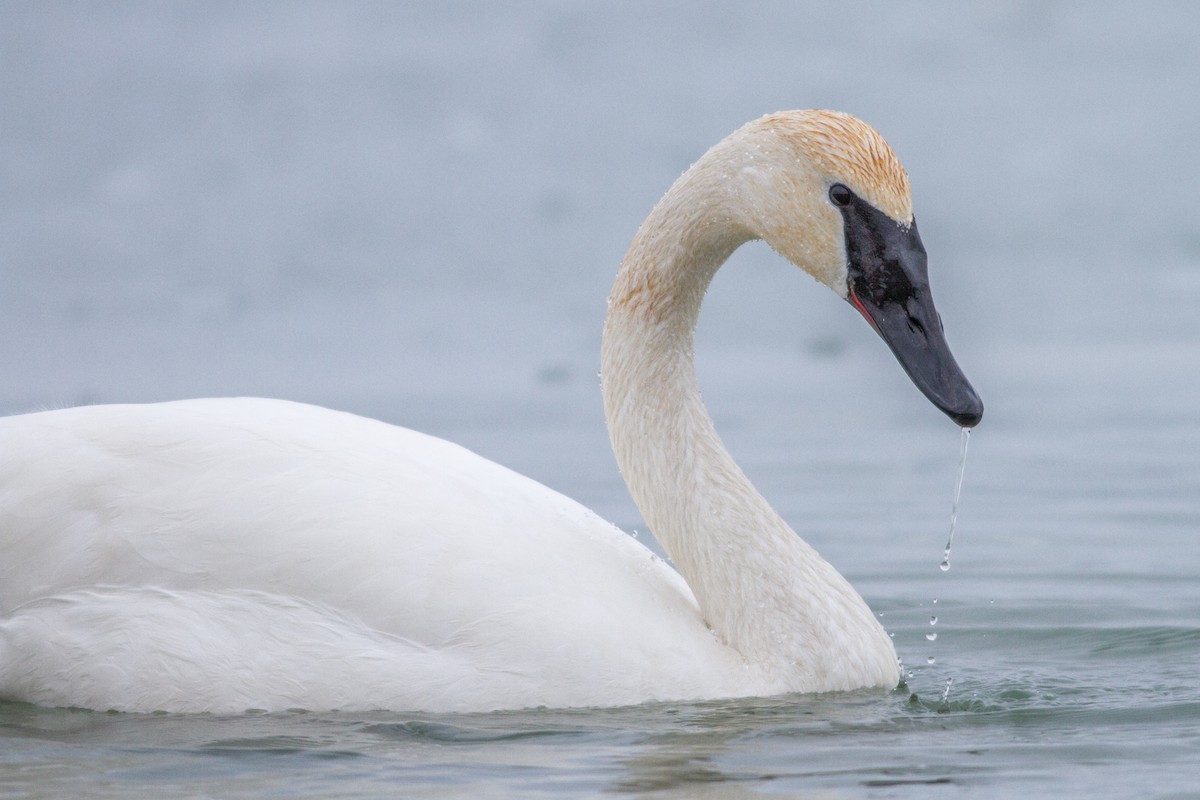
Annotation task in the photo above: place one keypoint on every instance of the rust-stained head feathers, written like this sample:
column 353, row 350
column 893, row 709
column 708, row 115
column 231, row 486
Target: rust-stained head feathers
column 768, row 180
column 846, row 147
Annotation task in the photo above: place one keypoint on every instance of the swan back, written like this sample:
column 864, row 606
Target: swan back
column 464, row 577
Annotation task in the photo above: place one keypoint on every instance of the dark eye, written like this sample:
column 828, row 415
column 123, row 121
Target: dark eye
column 840, row 195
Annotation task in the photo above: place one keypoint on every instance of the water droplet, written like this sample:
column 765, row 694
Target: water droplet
column 933, row 620
column 635, row 533
column 931, row 636
column 946, row 694
column 935, row 601
column 962, row 468
column 931, row 660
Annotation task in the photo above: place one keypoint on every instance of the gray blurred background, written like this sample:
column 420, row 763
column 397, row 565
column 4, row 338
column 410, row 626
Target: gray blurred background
column 415, row 211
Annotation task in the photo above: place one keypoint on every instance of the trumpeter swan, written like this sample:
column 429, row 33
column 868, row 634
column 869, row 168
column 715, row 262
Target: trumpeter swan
column 225, row 554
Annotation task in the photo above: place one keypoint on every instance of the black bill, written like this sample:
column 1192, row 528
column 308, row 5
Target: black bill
column 889, row 285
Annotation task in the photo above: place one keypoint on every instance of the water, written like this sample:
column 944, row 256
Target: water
column 962, row 470
column 415, row 212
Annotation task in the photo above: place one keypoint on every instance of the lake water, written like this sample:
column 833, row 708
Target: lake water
column 415, row 212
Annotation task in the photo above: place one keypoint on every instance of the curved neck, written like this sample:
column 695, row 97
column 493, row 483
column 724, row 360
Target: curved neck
column 757, row 583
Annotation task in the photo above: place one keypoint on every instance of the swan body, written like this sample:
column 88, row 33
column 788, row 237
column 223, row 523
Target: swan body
column 291, row 556
column 228, row 554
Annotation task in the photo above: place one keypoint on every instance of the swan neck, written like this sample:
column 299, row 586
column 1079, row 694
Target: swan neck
column 701, row 508
column 759, row 587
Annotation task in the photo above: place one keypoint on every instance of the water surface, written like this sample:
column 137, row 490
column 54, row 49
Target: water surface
column 414, row 212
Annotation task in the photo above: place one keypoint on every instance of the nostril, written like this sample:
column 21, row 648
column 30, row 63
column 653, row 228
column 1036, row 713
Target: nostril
column 915, row 325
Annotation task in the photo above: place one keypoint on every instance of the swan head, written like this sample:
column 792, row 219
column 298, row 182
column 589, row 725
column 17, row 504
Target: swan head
column 827, row 192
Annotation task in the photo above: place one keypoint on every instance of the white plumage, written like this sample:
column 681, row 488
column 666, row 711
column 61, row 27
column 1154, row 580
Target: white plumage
column 226, row 554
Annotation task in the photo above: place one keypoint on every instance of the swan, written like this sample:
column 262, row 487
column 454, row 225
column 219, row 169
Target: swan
column 219, row 555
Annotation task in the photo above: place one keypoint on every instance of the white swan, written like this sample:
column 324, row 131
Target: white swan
column 220, row 555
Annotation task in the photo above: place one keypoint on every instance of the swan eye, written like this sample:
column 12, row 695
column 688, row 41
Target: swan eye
column 840, row 195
